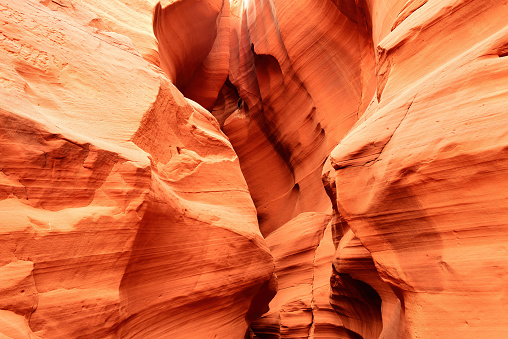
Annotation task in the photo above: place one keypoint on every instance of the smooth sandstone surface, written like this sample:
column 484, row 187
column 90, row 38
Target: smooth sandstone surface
column 419, row 178
column 253, row 169
column 292, row 71
column 120, row 200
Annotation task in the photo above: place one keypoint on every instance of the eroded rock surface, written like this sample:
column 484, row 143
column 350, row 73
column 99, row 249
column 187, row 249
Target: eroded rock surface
column 418, row 179
column 257, row 168
column 121, row 201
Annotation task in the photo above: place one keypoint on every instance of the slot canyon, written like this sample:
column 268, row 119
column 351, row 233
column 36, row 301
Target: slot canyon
column 241, row 169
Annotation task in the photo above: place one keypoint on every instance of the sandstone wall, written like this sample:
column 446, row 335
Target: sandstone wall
column 257, row 168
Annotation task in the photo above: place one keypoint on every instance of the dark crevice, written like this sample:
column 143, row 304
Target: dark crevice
column 228, row 102
column 503, row 51
column 357, row 304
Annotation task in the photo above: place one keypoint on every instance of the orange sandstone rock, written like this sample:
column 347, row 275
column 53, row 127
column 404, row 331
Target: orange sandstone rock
column 123, row 210
column 149, row 148
column 419, row 179
column 193, row 38
column 294, row 247
column 291, row 71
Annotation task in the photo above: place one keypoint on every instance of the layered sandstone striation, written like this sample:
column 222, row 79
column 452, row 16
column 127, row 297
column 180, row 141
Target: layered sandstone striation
column 291, row 71
column 418, row 178
column 420, row 203
column 257, row 168
column 121, row 201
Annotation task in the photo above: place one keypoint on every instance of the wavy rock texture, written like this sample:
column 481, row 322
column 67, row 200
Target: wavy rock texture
column 364, row 303
column 193, row 40
column 165, row 165
column 417, row 176
column 292, row 71
column 121, row 202
column 298, row 248
column 418, row 179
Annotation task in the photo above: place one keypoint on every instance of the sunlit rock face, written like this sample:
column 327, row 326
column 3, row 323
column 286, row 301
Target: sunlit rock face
column 253, row 169
column 123, row 209
column 304, row 79
column 419, row 177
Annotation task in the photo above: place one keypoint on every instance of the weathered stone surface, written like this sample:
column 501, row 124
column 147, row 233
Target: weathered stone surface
column 121, row 202
column 294, row 249
column 418, row 179
column 148, row 149
column 292, row 71
column 193, row 38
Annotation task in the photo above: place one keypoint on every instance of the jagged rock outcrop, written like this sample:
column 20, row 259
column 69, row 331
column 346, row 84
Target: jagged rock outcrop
column 253, row 168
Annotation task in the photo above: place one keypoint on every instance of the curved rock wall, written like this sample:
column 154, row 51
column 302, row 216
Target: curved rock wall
column 121, row 201
column 257, row 168
column 418, row 177
column 293, row 71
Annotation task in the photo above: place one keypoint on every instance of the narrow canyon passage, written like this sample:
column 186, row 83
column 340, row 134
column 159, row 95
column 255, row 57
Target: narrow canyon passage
column 253, row 169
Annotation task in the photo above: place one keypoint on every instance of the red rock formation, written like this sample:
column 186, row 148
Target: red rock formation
column 193, row 38
column 127, row 210
column 400, row 168
column 418, row 178
column 294, row 248
column 293, row 122
column 121, row 200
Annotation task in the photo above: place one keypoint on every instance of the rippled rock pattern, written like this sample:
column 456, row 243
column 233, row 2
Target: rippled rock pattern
column 253, row 169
